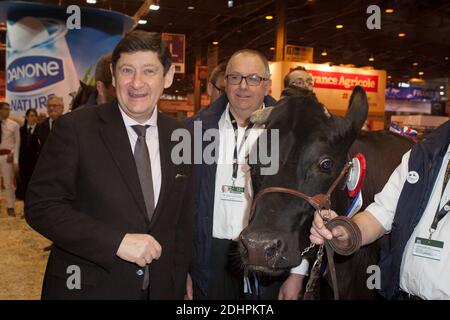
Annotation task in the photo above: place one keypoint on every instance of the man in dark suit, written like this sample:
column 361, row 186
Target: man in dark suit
column 29, row 151
column 109, row 196
column 55, row 109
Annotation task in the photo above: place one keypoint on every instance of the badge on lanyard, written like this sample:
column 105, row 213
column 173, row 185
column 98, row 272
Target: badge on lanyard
column 232, row 193
column 427, row 248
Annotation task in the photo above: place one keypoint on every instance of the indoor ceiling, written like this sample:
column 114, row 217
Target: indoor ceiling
column 426, row 25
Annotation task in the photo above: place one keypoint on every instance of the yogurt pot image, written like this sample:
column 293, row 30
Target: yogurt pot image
column 38, row 64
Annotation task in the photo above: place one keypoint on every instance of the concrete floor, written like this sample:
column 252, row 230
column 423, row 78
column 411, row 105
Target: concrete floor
column 22, row 259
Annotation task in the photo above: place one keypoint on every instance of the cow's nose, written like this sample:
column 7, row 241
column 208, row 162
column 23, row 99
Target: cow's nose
column 262, row 250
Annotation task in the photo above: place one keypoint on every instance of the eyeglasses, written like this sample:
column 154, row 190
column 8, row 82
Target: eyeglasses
column 251, row 80
column 221, row 90
column 303, row 83
column 53, row 106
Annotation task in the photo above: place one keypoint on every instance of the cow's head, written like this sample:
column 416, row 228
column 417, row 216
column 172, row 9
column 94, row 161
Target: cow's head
column 313, row 148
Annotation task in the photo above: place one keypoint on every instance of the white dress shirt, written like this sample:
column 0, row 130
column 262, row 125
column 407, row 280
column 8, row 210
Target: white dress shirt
column 231, row 217
column 423, row 277
column 11, row 138
column 32, row 127
column 152, row 140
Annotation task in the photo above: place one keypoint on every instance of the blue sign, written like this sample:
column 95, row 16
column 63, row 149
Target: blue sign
column 33, row 73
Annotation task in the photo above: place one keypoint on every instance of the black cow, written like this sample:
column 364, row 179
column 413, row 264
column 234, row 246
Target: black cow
column 314, row 146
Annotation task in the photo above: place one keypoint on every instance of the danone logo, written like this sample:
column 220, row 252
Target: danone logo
column 34, row 72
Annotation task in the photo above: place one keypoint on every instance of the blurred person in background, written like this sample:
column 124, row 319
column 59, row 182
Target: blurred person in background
column 29, row 150
column 9, row 154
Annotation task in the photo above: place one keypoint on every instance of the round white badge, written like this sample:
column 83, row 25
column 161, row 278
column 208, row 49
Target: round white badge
column 412, row 177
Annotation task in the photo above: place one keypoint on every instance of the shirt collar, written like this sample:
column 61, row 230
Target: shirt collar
column 227, row 113
column 152, row 122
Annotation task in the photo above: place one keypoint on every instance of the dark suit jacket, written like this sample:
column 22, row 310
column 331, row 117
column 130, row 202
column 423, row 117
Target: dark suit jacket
column 29, row 151
column 85, row 196
column 44, row 130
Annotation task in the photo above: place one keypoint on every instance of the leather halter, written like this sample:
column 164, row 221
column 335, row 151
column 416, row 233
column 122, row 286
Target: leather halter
column 319, row 201
column 323, row 202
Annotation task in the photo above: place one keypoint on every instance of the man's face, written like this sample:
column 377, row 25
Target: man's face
column 140, row 82
column 4, row 111
column 301, row 79
column 32, row 118
column 55, row 108
column 244, row 97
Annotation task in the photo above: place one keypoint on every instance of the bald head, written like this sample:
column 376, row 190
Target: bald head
column 249, row 53
column 247, row 81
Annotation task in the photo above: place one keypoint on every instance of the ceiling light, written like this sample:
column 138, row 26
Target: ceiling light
column 389, row 10
column 339, row 26
column 441, row 87
column 389, row 77
column 415, row 64
column 272, row 48
column 421, row 73
column 191, row 7
column 215, row 43
column 142, row 21
column 324, row 53
column 446, row 58
column 371, row 58
column 91, row 1
column 441, row 93
column 230, row 3
column 402, row 34
column 269, row 17
column 154, row 6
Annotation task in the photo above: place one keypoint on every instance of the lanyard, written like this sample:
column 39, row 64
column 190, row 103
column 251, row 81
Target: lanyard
column 236, row 150
column 440, row 214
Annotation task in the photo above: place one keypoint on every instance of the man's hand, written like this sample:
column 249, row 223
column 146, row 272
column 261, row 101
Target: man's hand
column 141, row 249
column 189, row 295
column 16, row 168
column 292, row 287
column 10, row 157
column 320, row 233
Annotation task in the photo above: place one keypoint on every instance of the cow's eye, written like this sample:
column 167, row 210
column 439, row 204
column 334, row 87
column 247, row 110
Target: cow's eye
column 326, row 164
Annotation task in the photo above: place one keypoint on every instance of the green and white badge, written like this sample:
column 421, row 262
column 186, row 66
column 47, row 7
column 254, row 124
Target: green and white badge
column 427, row 248
column 232, row 193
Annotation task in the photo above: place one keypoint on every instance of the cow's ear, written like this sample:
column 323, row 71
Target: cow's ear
column 259, row 117
column 358, row 108
column 83, row 85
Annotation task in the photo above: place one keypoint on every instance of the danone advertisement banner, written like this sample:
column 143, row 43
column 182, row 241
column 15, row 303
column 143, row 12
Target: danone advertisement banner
column 50, row 48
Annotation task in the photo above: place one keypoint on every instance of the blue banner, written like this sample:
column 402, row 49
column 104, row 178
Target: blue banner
column 50, row 48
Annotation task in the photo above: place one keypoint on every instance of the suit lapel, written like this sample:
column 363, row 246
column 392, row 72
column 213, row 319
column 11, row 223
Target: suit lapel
column 167, row 166
column 115, row 137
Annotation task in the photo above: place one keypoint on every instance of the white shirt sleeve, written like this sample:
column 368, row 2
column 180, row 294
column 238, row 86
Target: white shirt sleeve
column 302, row 268
column 385, row 203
